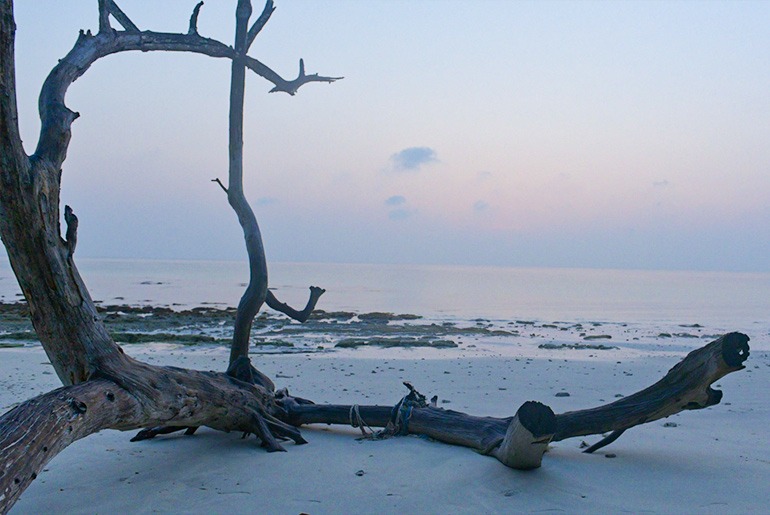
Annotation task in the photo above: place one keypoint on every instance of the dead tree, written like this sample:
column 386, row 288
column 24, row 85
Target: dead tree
column 106, row 389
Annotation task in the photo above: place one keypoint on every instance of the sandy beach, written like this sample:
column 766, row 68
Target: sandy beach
column 707, row 461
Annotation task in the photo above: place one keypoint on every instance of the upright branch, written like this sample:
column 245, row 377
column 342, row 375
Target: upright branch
column 256, row 28
column 104, row 16
column 121, row 17
column 193, row 30
column 256, row 291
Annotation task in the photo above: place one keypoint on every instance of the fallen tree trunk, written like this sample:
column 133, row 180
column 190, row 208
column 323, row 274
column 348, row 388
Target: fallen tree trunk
column 686, row 386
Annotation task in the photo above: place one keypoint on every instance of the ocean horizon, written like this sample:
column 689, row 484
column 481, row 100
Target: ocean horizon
column 736, row 299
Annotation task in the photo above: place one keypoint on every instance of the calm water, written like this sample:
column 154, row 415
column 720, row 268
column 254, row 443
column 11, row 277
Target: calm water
column 739, row 301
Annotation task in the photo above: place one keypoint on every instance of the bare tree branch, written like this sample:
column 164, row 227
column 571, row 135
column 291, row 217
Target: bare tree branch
column 291, row 87
column 121, row 17
column 56, row 119
column 194, row 19
column 259, row 23
column 299, row 316
column 220, row 184
column 605, row 441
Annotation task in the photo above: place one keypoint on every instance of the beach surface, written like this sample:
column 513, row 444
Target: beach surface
column 705, row 461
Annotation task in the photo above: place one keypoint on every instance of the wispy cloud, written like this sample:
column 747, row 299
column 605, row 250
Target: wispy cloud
column 400, row 214
column 395, row 200
column 412, row 158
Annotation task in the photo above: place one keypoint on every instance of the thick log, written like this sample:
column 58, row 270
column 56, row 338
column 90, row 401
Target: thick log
column 527, row 437
column 520, row 441
column 33, row 432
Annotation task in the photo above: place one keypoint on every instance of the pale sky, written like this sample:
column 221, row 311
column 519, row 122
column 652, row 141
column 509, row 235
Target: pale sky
column 585, row 134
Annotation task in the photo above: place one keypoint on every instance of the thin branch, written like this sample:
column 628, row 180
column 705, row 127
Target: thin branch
column 259, row 23
column 104, row 16
column 292, row 86
column 299, row 316
column 194, row 19
column 220, row 184
column 605, row 441
column 121, row 17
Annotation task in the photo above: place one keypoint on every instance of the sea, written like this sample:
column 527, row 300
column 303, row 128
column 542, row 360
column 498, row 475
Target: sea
column 653, row 302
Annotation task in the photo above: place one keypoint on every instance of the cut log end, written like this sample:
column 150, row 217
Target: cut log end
column 735, row 349
column 537, row 418
column 527, row 437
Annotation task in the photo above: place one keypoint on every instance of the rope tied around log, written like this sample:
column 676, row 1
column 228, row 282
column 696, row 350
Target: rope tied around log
column 357, row 421
column 398, row 425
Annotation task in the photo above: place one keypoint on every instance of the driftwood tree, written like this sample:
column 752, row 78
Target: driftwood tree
column 104, row 388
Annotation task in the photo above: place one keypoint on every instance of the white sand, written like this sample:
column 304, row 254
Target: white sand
column 715, row 460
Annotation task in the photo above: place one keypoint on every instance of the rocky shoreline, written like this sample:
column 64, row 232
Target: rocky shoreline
column 338, row 330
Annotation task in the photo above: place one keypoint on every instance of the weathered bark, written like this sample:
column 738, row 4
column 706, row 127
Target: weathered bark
column 130, row 395
column 256, row 291
column 686, row 386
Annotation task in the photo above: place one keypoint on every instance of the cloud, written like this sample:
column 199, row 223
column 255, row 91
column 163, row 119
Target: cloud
column 400, row 214
column 412, row 158
column 265, row 201
column 480, row 206
column 395, row 200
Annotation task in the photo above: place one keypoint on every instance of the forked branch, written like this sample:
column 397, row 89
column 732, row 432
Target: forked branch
column 121, row 17
column 292, row 86
column 260, row 22
column 299, row 316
